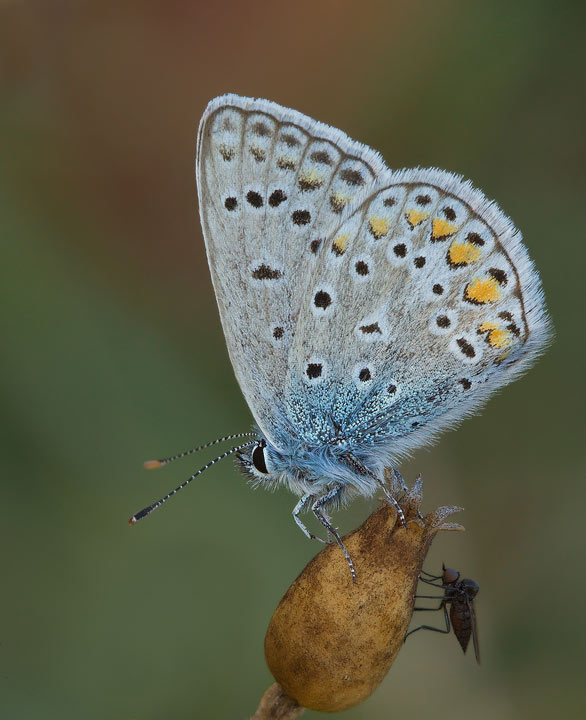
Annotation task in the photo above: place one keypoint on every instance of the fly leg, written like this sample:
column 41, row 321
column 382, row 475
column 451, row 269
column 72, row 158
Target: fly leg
column 445, row 631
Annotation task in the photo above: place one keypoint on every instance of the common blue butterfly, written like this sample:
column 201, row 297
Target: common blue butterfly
column 364, row 309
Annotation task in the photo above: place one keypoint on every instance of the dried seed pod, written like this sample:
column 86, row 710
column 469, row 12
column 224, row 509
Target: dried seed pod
column 331, row 642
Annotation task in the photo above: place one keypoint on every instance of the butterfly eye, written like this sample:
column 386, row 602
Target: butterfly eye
column 258, row 459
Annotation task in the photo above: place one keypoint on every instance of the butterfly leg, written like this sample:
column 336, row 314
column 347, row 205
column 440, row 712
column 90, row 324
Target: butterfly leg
column 357, row 465
column 320, row 514
column 394, row 503
column 399, row 479
column 298, row 509
column 404, row 489
column 445, row 631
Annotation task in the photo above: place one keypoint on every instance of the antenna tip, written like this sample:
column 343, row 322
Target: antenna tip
column 132, row 520
column 152, row 464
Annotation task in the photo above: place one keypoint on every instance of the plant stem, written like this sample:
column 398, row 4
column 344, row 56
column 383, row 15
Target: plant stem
column 275, row 704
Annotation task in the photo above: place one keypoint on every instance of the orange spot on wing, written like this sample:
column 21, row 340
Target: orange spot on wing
column 340, row 244
column 310, row 180
column 499, row 338
column 379, row 226
column 482, row 290
column 338, row 201
column 416, row 217
column 463, row 253
column 442, row 229
column 487, row 326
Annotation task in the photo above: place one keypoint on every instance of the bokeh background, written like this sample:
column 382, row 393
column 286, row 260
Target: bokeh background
column 112, row 351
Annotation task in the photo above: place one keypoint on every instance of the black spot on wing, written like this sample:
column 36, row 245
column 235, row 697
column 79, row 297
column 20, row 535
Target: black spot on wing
column 313, row 370
column 423, row 200
column 466, row 348
column 301, row 217
column 322, row 299
column 371, row 329
column 321, row 157
column 276, row 198
column 352, row 177
column 254, row 198
column 364, row 375
column 265, row 272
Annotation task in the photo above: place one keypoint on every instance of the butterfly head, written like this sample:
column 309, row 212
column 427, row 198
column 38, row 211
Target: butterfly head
column 305, row 467
column 297, row 465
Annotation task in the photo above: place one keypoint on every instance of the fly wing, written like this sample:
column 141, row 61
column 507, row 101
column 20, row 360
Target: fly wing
column 272, row 185
column 461, row 620
column 474, row 624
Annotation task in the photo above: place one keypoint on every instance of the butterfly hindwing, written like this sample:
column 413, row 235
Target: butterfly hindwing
column 421, row 304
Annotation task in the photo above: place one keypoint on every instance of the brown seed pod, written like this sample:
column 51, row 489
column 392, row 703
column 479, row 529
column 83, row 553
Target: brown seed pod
column 331, row 642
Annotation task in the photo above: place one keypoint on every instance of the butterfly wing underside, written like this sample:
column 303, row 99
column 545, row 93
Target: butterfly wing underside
column 272, row 185
column 357, row 303
column 421, row 304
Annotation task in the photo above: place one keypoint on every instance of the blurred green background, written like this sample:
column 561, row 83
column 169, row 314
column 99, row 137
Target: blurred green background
column 112, row 351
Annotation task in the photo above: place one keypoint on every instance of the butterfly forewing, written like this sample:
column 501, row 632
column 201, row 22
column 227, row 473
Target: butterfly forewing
column 273, row 185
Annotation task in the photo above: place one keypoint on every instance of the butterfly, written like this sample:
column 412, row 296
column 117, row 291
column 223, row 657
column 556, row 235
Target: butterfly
column 364, row 309
column 459, row 594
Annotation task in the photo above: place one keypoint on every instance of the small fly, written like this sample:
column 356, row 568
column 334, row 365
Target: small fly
column 459, row 594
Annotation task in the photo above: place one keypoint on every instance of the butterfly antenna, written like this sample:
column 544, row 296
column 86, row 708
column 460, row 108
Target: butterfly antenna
column 151, row 508
column 153, row 464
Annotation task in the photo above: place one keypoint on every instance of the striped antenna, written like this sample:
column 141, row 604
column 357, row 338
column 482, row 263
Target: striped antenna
column 151, row 508
column 153, row 464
